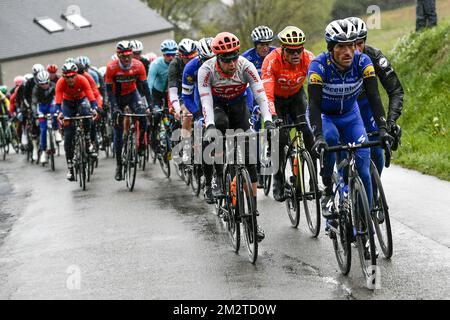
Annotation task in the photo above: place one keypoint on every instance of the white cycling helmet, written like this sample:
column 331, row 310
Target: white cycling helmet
column 36, row 68
column 262, row 34
column 43, row 77
column 187, row 47
column 361, row 27
column 137, row 46
column 204, row 48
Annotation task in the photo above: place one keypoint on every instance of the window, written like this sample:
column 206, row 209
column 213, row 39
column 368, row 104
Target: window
column 76, row 20
column 48, row 24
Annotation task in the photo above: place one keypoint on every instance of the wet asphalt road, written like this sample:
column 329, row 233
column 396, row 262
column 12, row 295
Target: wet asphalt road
column 160, row 242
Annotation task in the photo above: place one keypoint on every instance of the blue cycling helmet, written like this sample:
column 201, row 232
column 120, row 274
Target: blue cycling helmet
column 84, row 61
column 169, row 46
column 340, row 31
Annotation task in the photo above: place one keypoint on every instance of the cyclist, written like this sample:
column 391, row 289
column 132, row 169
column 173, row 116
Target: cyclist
column 187, row 50
column 191, row 99
column 52, row 69
column 4, row 107
column 73, row 96
column 17, row 107
column 28, row 91
column 262, row 37
column 390, row 82
column 157, row 82
column 284, row 71
column 124, row 78
column 138, row 47
column 43, row 100
column 335, row 80
column 222, row 82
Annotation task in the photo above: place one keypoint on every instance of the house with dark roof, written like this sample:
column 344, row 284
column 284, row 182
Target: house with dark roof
column 49, row 31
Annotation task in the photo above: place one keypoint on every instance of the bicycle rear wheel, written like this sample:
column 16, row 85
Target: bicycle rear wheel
column 310, row 194
column 290, row 188
column 247, row 212
column 364, row 230
column 380, row 214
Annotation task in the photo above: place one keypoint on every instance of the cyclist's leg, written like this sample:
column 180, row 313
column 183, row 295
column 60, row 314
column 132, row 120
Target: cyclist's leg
column 281, row 106
column 138, row 107
column 376, row 153
column 69, row 110
column 42, row 111
column 353, row 131
column 331, row 135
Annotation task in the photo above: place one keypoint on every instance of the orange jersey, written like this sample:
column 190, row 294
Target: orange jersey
column 281, row 78
column 80, row 90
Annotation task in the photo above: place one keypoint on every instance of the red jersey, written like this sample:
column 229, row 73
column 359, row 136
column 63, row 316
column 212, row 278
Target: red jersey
column 124, row 81
column 80, row 90
column 282, row 79
column 12, row 101
column 97, row 95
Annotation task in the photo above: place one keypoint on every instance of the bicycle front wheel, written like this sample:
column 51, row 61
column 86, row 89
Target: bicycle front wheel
column 247, row 212
column 341, row 233
column 310, row 194
column 231, row 214
column 380, row 214
column 132, row 161
column 195, row 179
column 364, row 230
column 290, row 188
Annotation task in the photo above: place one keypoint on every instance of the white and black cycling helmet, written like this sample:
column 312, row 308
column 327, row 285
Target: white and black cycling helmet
column 187, row 48
column 26, row 77
column 204, row 48
column 69, row 69
column 340, row 31
column 37, row 68
column 43, row 77
column 361, row 27
column 262, row 34
column 84, row 61
column 124, row 47
column 137, row 46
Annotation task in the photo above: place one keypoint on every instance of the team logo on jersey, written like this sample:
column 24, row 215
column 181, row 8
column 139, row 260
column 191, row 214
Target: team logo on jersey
column 189, row 79
column 383, row 63
column 315, row 78
column 369, row 71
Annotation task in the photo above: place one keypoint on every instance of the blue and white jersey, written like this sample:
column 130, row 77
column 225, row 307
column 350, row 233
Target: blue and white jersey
column 340, row 89
column 189, row 93
column 255, row 58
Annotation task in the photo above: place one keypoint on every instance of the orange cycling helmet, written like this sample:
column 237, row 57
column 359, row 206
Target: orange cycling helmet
column 225, row 42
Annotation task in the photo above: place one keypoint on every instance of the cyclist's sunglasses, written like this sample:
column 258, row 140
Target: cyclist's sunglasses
column 292, row 51
column 169, row 54
column 71, row 76
column 228, row 58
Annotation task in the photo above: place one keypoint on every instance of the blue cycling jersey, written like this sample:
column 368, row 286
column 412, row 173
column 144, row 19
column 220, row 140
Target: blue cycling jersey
column 190, row 94
column 158, row 75
column 252, row 56
column 340, row 90
column 94, row 75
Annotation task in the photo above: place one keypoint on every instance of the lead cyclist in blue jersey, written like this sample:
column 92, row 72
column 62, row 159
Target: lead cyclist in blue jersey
column 335, row 80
